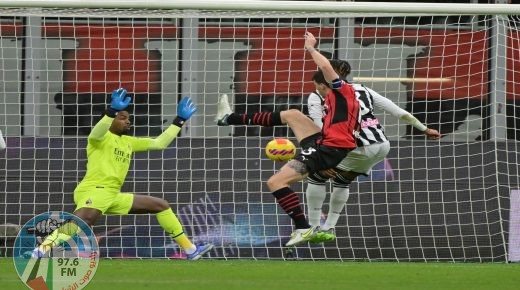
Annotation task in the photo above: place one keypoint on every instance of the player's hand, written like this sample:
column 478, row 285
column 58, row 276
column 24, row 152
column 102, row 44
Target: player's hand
column 310, row 40
column 120, row 100
column 432, row 134
column 186, row 108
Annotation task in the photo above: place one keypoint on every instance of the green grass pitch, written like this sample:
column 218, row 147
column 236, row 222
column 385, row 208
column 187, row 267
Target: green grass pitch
column 274, row 274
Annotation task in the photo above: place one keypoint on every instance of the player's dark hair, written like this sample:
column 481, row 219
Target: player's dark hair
column 341, row 67
column 319, row 78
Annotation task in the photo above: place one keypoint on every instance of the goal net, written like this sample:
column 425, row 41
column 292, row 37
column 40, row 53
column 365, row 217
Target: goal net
column 446, row 200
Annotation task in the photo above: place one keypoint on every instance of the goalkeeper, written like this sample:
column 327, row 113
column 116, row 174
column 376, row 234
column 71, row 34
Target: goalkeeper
column 109, row 152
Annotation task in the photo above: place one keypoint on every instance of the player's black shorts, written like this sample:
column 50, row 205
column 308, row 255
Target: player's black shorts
column 318, row 157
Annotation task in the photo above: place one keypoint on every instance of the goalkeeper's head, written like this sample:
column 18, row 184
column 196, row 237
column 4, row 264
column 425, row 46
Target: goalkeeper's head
column 121, row 124
column 341, row 67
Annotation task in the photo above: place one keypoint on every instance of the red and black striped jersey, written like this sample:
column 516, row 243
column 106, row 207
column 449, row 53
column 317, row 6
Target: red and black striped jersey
column 342, row 118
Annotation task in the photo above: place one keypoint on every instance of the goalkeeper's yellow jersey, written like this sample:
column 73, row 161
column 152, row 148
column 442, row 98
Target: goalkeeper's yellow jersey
column 109, row 155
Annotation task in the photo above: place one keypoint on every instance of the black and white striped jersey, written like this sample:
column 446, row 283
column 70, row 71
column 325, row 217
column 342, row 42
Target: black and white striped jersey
column 315, row 104
column 371, row 130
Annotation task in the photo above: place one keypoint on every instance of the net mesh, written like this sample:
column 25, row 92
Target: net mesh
column 438, row 201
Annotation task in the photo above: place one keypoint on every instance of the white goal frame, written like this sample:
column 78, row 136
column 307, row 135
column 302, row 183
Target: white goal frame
column 503, row 150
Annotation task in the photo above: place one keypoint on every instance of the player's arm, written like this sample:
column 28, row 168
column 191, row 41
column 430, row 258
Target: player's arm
column 100, row 129
column 119, row 101
column 390, row 107
column 321, row 61
column 315, row 107
column 2, row 141
column 185, row 110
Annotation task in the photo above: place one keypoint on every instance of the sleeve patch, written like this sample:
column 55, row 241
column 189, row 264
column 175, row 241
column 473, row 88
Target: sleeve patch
column 336, row 84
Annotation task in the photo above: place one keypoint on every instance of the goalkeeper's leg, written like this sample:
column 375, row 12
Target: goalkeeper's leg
column 56, row 238
column 66, row 232
column 170, row 224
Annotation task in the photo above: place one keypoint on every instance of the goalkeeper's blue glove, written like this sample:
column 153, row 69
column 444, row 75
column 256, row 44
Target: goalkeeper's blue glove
column 185, row 110
column 119, row 101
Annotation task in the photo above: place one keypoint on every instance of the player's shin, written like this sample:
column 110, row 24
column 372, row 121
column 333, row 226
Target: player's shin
column 315, row 195
column 290, row 203
column 338, row 199
column 59, row 236
column 265, row 119
column 173, row 227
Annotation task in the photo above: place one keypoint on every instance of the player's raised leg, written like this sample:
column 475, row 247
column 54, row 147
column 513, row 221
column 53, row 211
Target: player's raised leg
column 223, row 110
column 226, row 117
column 169, row 222
column 300, row 124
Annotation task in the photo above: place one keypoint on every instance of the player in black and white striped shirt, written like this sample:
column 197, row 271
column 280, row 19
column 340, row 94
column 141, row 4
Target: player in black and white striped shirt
column 373, row 146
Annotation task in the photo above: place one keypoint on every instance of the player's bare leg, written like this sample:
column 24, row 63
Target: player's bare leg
column 300, row 124
column 148, row 204
column 88, row 215
column 169, row 222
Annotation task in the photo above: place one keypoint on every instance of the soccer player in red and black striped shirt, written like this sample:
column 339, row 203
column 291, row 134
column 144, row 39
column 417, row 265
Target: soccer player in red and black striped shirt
column 321, row 149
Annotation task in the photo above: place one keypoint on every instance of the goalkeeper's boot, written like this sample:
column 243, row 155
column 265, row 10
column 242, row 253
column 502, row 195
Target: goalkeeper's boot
column 302, row 235
column 41, row 251
column 201, row 250
column 223, row 110
column 323, row 236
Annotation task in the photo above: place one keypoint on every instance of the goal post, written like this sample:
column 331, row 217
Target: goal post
column 452, row 65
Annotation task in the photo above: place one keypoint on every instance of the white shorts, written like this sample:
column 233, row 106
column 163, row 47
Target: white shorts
column 362, row 159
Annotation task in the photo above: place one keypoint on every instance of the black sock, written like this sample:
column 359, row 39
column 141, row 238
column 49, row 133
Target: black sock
column 265, row 119
column 290, row 203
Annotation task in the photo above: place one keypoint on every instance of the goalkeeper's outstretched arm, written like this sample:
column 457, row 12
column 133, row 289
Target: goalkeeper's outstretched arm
column 119, row 101
column 185, row 110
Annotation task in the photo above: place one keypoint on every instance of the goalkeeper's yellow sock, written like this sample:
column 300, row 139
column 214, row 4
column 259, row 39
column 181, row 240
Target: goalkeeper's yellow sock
column 173, row 227
column 60, row 235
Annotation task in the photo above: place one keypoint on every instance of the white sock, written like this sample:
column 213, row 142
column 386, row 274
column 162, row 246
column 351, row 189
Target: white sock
column 191, row 249
column 315, row 195
column 338, row 199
